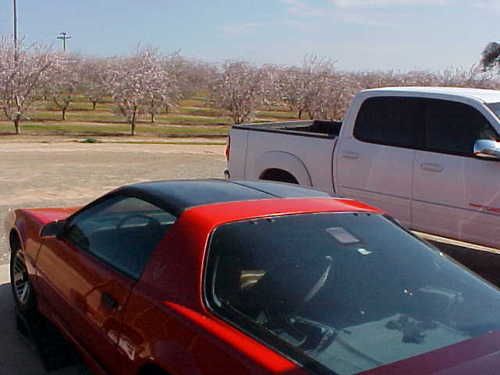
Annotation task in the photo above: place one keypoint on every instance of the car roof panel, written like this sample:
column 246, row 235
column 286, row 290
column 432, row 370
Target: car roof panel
column 178, row 195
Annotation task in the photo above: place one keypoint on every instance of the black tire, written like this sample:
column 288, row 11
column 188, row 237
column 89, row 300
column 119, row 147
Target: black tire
column 22, row 290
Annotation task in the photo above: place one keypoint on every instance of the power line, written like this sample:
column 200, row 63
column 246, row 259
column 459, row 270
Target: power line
column 64, row 36
column 15, row 29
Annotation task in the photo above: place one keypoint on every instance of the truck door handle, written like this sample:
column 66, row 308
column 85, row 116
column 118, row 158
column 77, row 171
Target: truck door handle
column 350, row 155
column 432, row 167
column 108, row 301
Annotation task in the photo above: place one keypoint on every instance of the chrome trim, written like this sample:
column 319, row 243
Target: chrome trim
column 487, row 148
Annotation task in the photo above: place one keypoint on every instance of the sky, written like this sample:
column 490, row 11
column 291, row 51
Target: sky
column 358, row 34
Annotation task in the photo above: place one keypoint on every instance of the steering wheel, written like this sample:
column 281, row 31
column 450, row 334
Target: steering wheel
column 283, row 291
column 153, row 224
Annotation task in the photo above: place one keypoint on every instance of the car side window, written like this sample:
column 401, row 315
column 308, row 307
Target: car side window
column 453, row 127
column 122, row 231
column 392, row 121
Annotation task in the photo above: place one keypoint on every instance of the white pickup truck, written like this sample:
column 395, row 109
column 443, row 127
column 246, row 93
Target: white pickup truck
column 429, row 157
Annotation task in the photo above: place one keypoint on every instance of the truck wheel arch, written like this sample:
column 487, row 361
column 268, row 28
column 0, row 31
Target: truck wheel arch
column 280, row 175
column 14, row 240
column 276, row 164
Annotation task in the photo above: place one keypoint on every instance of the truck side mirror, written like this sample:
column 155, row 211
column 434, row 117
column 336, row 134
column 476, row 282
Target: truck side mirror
column 487, row 149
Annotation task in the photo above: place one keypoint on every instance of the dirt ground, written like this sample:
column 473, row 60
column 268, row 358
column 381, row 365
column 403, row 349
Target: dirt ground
column 67, row 173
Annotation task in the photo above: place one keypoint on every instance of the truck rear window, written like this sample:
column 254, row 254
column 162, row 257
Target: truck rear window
column 390, row 121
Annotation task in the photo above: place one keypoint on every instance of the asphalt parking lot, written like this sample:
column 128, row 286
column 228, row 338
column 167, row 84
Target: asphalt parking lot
column 64, row 173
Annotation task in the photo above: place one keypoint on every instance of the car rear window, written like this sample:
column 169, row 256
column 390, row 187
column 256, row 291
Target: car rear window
column 343, row 293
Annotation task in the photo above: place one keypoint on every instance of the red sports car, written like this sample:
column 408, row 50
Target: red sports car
column 219, row 277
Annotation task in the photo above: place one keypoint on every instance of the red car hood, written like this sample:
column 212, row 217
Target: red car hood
column 480, row 355
column 47, row 215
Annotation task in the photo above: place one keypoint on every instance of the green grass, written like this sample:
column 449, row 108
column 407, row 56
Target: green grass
column 175, row 118
column 192, row 102
column 191, row 118
column 90, row 129
column 199, row 111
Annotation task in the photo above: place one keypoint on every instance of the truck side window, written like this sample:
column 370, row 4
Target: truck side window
column 392, row 121
column 453, row 127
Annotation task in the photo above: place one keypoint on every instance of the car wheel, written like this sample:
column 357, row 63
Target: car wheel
column 24, row 295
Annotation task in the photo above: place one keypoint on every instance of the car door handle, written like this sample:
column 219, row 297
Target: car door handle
column 431, row 167
column 350, row 155
column 109, row 302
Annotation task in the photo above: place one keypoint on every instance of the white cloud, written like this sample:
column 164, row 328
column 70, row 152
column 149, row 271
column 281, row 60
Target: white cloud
column 382, row 3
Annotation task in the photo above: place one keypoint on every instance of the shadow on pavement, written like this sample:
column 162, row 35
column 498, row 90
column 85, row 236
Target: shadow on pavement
column 18, row 355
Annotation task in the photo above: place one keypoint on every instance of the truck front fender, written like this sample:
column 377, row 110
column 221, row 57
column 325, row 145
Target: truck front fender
column 284, row 161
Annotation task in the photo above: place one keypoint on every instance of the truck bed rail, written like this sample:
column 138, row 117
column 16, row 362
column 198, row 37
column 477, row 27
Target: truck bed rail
column 311, row 128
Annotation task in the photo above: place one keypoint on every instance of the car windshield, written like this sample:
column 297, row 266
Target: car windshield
column 495, row 107
column 344, row 292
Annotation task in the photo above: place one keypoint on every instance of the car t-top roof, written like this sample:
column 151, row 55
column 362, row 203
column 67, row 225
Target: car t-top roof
column 178, row 195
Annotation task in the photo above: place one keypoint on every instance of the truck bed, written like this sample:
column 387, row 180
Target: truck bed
column 312, row 128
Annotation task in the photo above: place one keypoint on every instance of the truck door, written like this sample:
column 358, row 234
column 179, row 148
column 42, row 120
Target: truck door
column 375, row 162
column 456, row 194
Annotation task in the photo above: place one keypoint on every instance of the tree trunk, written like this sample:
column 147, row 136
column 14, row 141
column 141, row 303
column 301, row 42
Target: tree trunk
column 93, row 105
column 300, row 114
column 152, row 112
column 64, row 113
column 132, row 123
column 17, row 125
column 167, row 107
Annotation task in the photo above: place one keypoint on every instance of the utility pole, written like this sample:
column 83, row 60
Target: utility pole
column 15, row 29
column 64, row 36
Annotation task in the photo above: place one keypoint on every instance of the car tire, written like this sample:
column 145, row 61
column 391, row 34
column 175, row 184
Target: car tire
column 22, row 289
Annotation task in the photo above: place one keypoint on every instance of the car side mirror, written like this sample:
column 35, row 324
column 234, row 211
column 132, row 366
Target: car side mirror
column 487, row 149
column 53, row 229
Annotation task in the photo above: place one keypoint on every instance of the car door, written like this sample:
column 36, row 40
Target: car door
column 456, row 194
column 92, row 267
column 376, row 161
